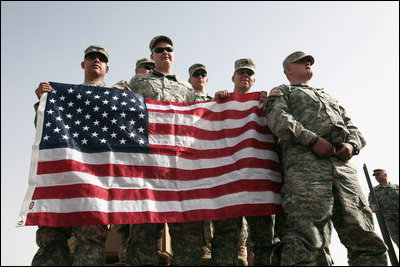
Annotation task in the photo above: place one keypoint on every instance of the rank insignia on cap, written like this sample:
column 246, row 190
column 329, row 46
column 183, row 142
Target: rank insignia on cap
column 275, row 92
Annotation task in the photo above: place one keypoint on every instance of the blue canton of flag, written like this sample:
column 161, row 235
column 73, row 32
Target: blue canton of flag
column 95, row 119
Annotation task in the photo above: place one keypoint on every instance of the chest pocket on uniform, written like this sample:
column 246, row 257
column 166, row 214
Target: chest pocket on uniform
column 152, row 89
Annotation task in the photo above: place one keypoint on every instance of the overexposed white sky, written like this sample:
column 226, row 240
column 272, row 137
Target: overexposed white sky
column 355, row 46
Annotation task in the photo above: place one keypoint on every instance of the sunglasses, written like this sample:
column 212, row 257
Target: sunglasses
column 95, row 55
column 198, row 73
column 148, row 67
column 161, row 49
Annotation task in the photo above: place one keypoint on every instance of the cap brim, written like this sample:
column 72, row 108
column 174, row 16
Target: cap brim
column 196, row 69
column 247, row 68
column 311, row 59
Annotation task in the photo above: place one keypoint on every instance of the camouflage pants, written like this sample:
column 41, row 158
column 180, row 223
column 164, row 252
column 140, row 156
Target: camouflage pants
column 315, row 191
column 224, row 245
column 183, row 234
column 53, row 250
column 261, row 232
column 392, row 223
column 186, row 243
column 324, row 257
column 123, row 230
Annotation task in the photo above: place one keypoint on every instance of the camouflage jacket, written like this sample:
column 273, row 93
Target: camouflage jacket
column 388, row 199
column 159, row 86
column 295, row 113
column 203, row 97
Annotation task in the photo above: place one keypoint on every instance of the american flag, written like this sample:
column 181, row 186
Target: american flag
column 108, row 156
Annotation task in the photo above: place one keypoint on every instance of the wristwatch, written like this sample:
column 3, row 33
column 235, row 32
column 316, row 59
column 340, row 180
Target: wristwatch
column 356, row 149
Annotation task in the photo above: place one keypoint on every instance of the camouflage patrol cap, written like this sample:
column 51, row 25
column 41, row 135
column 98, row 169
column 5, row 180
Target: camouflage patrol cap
column 378, row 171
column 245, row 63
column 159, row 38
column 195, row 67
column 296, row 56
column 97, row 49
column 144, row 61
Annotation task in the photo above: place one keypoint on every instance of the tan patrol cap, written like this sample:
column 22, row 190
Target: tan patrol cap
column 144, row 61
column 296, row 56
column 97, row 49
column 378, row 171
column 245, row 63
column 159, row 38
column 195, row 67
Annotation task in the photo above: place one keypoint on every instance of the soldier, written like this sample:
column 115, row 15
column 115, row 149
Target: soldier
column 318, row 139
column 199, row 80
column 261, row 228
column 387, row 195
column 143, row 65
column 162, row 85
column 90, row 240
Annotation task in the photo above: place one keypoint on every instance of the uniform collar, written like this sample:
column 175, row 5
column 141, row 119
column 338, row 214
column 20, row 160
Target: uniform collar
column 101, row 84
column 157, row 73
column 300, row 85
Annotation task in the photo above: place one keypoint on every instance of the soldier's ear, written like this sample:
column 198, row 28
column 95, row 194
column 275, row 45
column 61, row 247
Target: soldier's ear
column 83, row 64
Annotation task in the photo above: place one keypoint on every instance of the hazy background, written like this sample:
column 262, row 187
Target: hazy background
column 355, row 46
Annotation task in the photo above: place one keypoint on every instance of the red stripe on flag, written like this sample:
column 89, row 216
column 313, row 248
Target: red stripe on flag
column 201, row 134
column 189, row 153
column 89, row 191
column 167, row 173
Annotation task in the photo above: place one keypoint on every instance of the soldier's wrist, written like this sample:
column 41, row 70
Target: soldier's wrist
column 314, row 140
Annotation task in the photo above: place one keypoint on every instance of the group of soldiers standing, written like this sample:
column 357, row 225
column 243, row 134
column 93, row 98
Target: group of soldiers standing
column 315, row 139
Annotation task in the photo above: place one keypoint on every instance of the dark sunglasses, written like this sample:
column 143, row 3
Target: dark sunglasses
column 161, row 49
column 95, row 55
column 148, row 67
column 198, row 73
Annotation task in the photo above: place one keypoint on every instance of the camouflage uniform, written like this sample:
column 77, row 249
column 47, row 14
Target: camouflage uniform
column 328, row 187
column 90, row 241
column 203, row 97
column 224, row 245
column 324, row 257
column 262, row 235
column 388, row 201
column 53, row 250
column 186, row 238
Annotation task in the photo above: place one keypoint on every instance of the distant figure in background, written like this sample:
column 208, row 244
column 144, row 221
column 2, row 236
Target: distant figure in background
column 317, row 139
column 89, row 248
column 387, row 195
